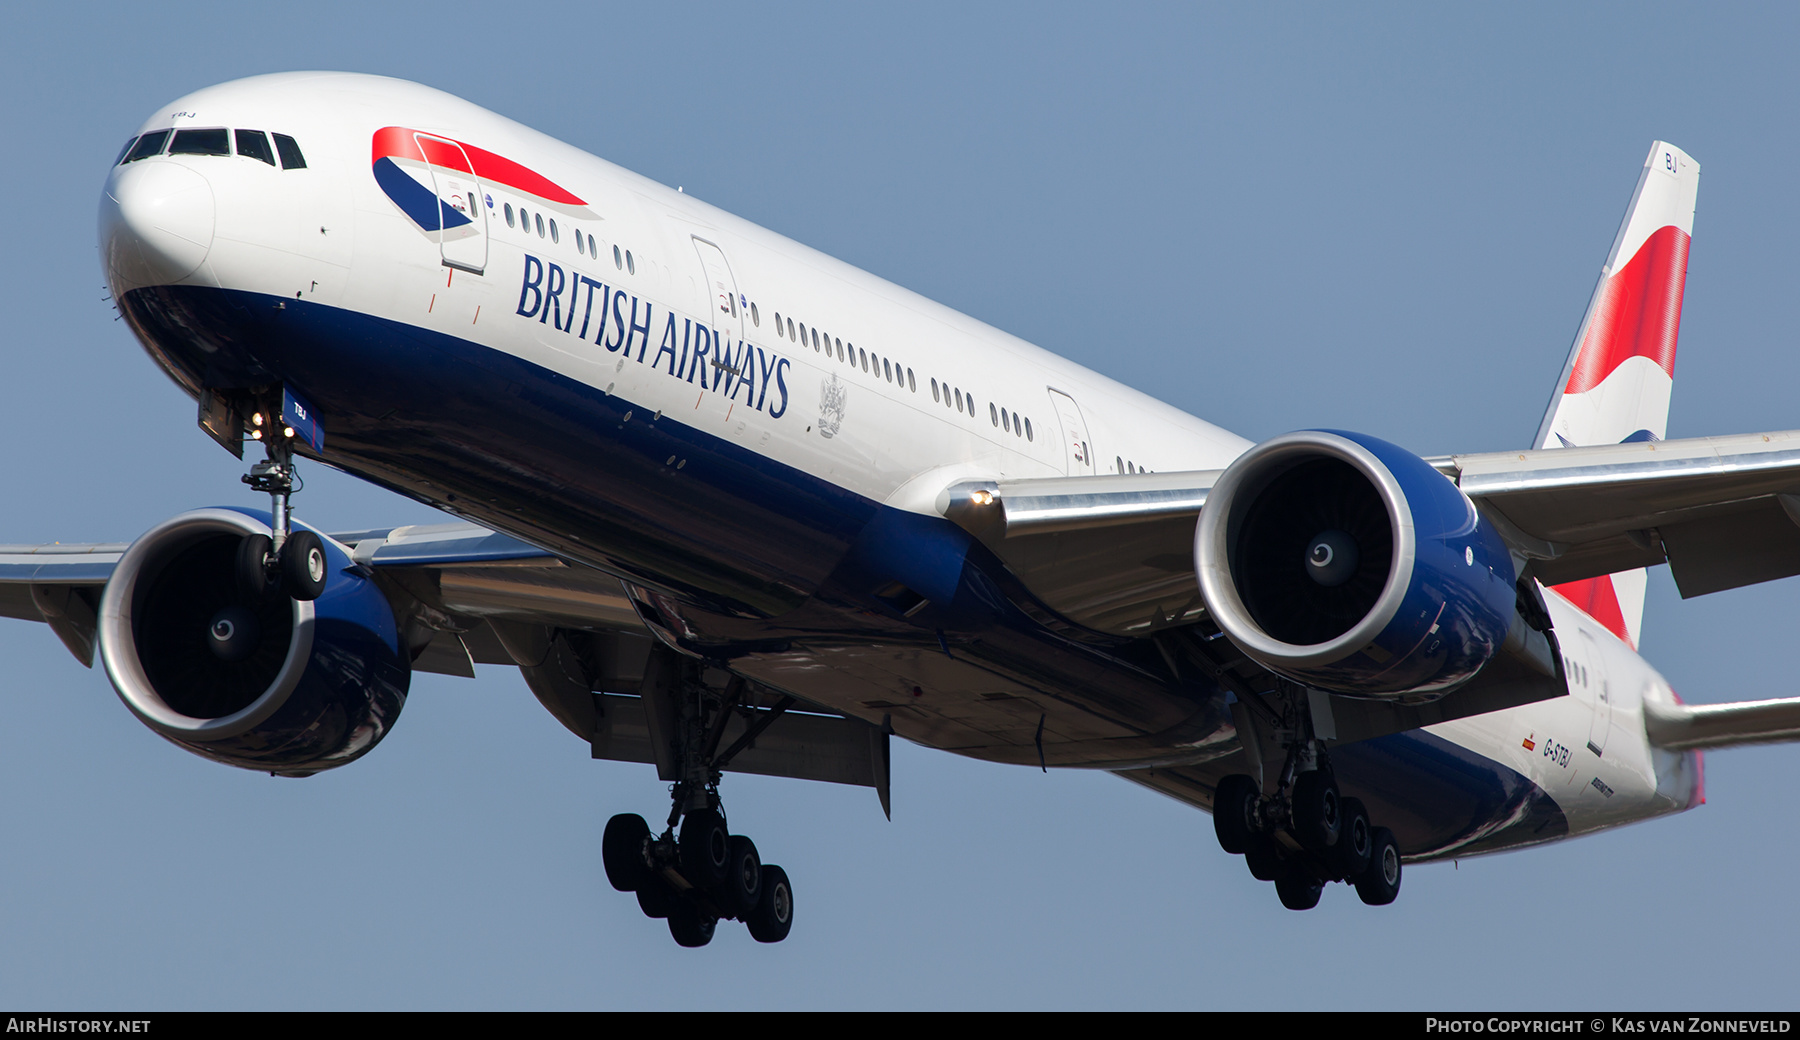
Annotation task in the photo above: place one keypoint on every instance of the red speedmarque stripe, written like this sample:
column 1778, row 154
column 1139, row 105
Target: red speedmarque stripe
column 398, row 142
column 1597, row 599
column 1638, row 313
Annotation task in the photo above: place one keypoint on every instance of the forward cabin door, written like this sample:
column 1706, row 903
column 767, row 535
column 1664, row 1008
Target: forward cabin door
column 461, row 205
column 1078, row 454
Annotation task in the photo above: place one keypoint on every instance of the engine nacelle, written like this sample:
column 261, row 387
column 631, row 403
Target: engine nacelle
column 272, row 683
column 1348, row 564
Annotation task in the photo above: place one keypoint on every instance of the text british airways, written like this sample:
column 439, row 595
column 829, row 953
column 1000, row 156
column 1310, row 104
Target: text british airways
column 740, row 372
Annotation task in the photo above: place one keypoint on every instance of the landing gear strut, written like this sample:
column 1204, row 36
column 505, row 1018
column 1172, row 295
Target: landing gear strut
column 1305, row 834
column 293, row 561
column 696, row 872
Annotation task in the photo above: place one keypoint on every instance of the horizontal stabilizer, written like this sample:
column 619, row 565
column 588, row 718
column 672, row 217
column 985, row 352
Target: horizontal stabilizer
column 1689, row 727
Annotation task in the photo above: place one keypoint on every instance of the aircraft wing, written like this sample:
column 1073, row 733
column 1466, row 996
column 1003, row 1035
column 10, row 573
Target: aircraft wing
column 1115, row 553
column 60, row 585
column 1722, row 511
column 465, row 595
column 461, row 573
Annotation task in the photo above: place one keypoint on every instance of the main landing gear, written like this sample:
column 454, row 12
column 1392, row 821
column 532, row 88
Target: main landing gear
column 291, row 561
column 696, row 872
column 698, row 876
column 1306, row 834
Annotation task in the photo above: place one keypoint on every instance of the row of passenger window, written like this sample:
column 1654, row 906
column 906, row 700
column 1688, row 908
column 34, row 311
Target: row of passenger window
column 823, row 343
column 886, row 368
column 1010, row 421
column 251, row 144
column 584, row 242
column 1124, row 465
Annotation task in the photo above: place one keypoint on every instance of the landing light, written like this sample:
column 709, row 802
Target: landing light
column 982, row 498
column 257, row 419
column 256, row 435
column 287, row 431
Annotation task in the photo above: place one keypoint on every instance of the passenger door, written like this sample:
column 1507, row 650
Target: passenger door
column 1078, row 454
column 462, row 240
column 725, row 312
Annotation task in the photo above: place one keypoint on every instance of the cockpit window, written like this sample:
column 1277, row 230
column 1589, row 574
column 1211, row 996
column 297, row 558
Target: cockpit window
column 291, row 159
column 254, row 144
column 201, row 142
column 123, row 152
column 148, row 145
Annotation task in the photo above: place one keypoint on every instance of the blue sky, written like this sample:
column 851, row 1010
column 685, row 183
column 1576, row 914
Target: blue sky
column 1375, row 218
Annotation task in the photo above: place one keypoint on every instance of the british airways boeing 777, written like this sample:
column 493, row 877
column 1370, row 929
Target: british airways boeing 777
column 731, row 505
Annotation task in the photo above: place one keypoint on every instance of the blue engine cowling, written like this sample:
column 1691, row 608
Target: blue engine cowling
column 1349, row 564
column 308, row 685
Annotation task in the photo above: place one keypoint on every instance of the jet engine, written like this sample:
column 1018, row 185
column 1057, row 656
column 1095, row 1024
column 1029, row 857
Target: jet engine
column 264, row 682
column 1349, row 564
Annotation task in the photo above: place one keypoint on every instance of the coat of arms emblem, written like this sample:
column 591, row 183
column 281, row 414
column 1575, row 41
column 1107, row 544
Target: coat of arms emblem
column 831, row 406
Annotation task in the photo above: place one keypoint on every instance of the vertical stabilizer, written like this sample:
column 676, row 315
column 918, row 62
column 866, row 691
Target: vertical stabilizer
column 1616, row 383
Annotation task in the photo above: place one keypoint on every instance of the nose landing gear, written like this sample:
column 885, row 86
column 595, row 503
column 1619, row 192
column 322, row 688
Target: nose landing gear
column 293, row 561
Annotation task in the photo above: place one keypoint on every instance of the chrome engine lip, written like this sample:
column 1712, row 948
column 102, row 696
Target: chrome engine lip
column 118, row 643
column 1251, row 472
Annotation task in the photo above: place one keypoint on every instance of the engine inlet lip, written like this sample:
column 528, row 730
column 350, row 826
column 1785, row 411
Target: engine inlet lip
column 118, row 641
column 1213, row 537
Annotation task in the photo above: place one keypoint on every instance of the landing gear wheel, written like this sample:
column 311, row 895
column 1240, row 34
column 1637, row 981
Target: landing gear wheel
column 1298, row 889
column 774, row 913
column 742, row 889
column 1234, row 808
column 303, row 565
column 705, row 849
column 252, row 567
column 1380, row 884
column 622, row 851
column 1262, row 857
column 1318, row 816
column 1356, row 841
column 655, row 898
column 690, row 925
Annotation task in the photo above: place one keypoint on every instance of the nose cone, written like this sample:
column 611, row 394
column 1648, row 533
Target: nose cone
column 156, row 223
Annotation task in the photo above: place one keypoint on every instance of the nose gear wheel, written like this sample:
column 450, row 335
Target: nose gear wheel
column 293, row 561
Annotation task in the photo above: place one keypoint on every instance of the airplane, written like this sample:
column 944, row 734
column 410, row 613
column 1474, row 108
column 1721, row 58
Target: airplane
column 733, row 506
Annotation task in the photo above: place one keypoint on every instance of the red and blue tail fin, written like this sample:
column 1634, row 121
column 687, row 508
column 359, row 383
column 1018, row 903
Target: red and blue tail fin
column 1616, row 384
